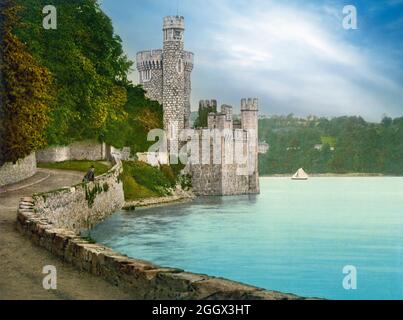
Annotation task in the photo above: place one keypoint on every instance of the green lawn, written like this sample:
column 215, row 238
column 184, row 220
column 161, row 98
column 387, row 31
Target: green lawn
column 77, row 165
column 140, row 180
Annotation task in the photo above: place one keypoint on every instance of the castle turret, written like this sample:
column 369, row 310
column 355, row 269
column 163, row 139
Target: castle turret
column 149, row 65
column 174, row 76
column 166, row 75
column 249, row 122
column 249, row 112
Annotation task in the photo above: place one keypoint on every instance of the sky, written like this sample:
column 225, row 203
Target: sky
column 295, row 56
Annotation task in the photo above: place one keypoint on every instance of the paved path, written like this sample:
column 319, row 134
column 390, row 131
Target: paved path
column 21, row 262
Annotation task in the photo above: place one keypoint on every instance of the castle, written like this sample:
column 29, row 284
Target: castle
column 226, row 161
column 165, row 74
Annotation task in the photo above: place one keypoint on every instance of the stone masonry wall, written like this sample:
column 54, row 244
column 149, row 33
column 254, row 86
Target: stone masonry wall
column 81, row 206
column 151, row 61
column 237, row 175
column 142, row 279
column 22, row 169
column 81, row 150
column 173, row 85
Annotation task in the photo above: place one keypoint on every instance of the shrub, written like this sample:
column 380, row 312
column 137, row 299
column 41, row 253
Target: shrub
column 169, row 174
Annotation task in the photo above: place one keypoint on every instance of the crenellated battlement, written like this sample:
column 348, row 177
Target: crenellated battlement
column 149, row 59
column 204, row 104
column 166, row 77
column 174, row 22
column 166, row 74
column 250, row 104
column 224, row 118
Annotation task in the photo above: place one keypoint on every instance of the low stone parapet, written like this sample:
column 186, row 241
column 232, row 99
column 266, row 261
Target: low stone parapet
column 83, row 205
column 142, row 279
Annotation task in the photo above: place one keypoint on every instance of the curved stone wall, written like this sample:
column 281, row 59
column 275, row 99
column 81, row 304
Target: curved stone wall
column 52, row 220
column 142, row 279
column 22, row 169
column 83, row 205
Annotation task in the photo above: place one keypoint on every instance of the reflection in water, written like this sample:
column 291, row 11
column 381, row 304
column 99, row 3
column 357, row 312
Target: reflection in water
column 296, row 236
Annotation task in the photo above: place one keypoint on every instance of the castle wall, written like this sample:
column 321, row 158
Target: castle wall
column 153, row 87
column 237, row 171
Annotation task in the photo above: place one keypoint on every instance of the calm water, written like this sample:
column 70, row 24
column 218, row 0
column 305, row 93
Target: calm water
column 296, row 236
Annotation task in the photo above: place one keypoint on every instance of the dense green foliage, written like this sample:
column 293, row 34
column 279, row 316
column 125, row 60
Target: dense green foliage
column 94, row 98
column 87, row 62
column 143, row 115
column 77, row 165
column 202, row 115
column 343, row 145
column 148, row 180
column 26, row 92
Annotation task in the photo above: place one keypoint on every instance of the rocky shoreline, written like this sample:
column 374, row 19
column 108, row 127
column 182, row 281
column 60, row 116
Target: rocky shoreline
column 178, row 196
column 141, row 279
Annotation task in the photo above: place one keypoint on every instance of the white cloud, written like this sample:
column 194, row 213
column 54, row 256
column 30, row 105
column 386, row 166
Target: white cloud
column 294, row 57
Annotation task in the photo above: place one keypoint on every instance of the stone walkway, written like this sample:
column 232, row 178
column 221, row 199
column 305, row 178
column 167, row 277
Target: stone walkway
column 21, row 262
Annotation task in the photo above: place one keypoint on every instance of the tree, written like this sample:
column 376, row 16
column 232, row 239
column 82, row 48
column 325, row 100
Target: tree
column 88, row 64
column 143, row 115
column 25, row 96
column 346, row 144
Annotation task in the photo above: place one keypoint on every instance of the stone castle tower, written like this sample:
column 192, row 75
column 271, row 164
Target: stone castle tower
column 165, row 74
column 238, row 139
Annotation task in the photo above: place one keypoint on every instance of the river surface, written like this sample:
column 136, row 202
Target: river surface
column 296, row 236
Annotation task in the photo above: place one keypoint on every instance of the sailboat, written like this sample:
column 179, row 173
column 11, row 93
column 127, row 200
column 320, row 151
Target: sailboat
column 300, row 175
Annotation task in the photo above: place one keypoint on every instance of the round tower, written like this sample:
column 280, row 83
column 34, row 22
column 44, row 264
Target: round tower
column 173, row 95
column 149, row 66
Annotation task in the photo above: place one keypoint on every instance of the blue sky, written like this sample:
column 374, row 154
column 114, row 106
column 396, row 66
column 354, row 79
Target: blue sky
column 293, row 55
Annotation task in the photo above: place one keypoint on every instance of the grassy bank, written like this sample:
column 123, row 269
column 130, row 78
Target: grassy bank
column 77, row 165
column 140, row 180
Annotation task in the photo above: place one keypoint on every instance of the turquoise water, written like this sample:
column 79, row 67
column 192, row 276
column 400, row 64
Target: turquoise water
column 296, row 236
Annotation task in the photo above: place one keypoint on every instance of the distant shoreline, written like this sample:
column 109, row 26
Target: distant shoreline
column 319, row 175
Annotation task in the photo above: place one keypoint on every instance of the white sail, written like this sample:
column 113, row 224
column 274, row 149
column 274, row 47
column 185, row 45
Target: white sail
column 300, row 174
